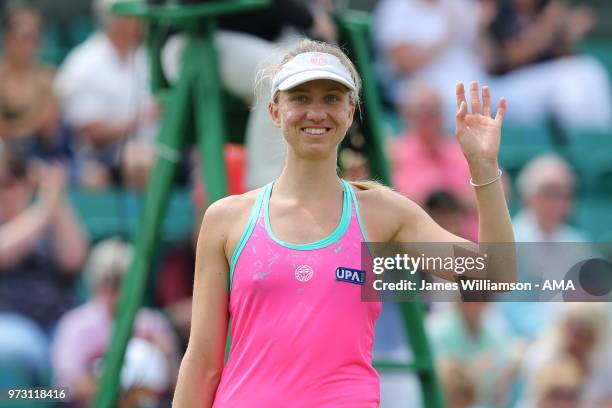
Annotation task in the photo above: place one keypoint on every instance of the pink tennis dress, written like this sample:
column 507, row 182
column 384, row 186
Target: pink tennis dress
column 301, row 336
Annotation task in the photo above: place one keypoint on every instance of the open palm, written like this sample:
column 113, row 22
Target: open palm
column 478, row 133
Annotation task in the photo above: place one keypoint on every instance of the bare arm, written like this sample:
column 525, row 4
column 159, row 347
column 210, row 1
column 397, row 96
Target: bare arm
column 479, row 136
column 19, row 236
column 527, row 47
column 537, row 38
column 202, row 364
column 70, row 244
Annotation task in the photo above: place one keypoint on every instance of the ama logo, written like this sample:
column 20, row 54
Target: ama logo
column 350, row 275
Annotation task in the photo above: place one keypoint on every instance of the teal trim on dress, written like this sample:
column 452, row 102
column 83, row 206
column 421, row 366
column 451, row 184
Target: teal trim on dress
column 354, row 198
column 335, row 236
column 246, row 234
column 361, row 226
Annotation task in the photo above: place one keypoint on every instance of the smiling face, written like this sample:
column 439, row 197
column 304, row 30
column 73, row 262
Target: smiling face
column 314, row 117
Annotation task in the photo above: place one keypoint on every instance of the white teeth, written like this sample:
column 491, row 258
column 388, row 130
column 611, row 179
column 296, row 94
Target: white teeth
column 315, row 131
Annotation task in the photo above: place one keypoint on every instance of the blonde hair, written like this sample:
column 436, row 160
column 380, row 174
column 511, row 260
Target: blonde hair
column 109, row 258
column 307, row 45
column 369, row 185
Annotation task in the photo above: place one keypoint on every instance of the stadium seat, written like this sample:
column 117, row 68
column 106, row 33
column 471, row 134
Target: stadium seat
column 14, row 376
column 51, row 50
column 394, row 122
column 116, row 212
column 594, row 215
column 520, row 143
column 590, row 153
column 600, row 48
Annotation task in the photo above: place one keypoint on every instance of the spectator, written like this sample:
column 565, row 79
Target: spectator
column 472, row 333
column 558, row 384
column 526, row 32
column 104, row 95
column 247, row 42
column 175, row 286
column 446, row 211
column 532, row 44
column 23, row 353
column 73, row 359
column 442, row 46
column 42, row 248
column 354, row 165
column 29, row 117
column 581, row 334
column 437, row 47
column 424, row 160
column 458, row 386
column 546, row 186
column 42, row 245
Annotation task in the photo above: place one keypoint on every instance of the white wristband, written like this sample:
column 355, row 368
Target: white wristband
column 499, row 173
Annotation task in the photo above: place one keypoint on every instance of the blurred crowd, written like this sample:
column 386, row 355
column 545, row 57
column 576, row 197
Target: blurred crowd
column 90, row 124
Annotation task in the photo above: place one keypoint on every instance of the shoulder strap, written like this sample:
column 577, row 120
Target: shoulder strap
column 246, row 234
column 353, row 196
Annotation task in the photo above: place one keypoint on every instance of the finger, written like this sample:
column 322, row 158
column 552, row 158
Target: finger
column 460, row 93
column 475, row 99
column 461, row 113
column 486, row 101
column 501, row 110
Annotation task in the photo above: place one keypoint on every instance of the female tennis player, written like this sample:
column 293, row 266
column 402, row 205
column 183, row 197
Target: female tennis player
column 274, row 261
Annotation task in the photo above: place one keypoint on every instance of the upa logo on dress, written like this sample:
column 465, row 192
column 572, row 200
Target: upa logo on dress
column 350, row 275
column 303, row 273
